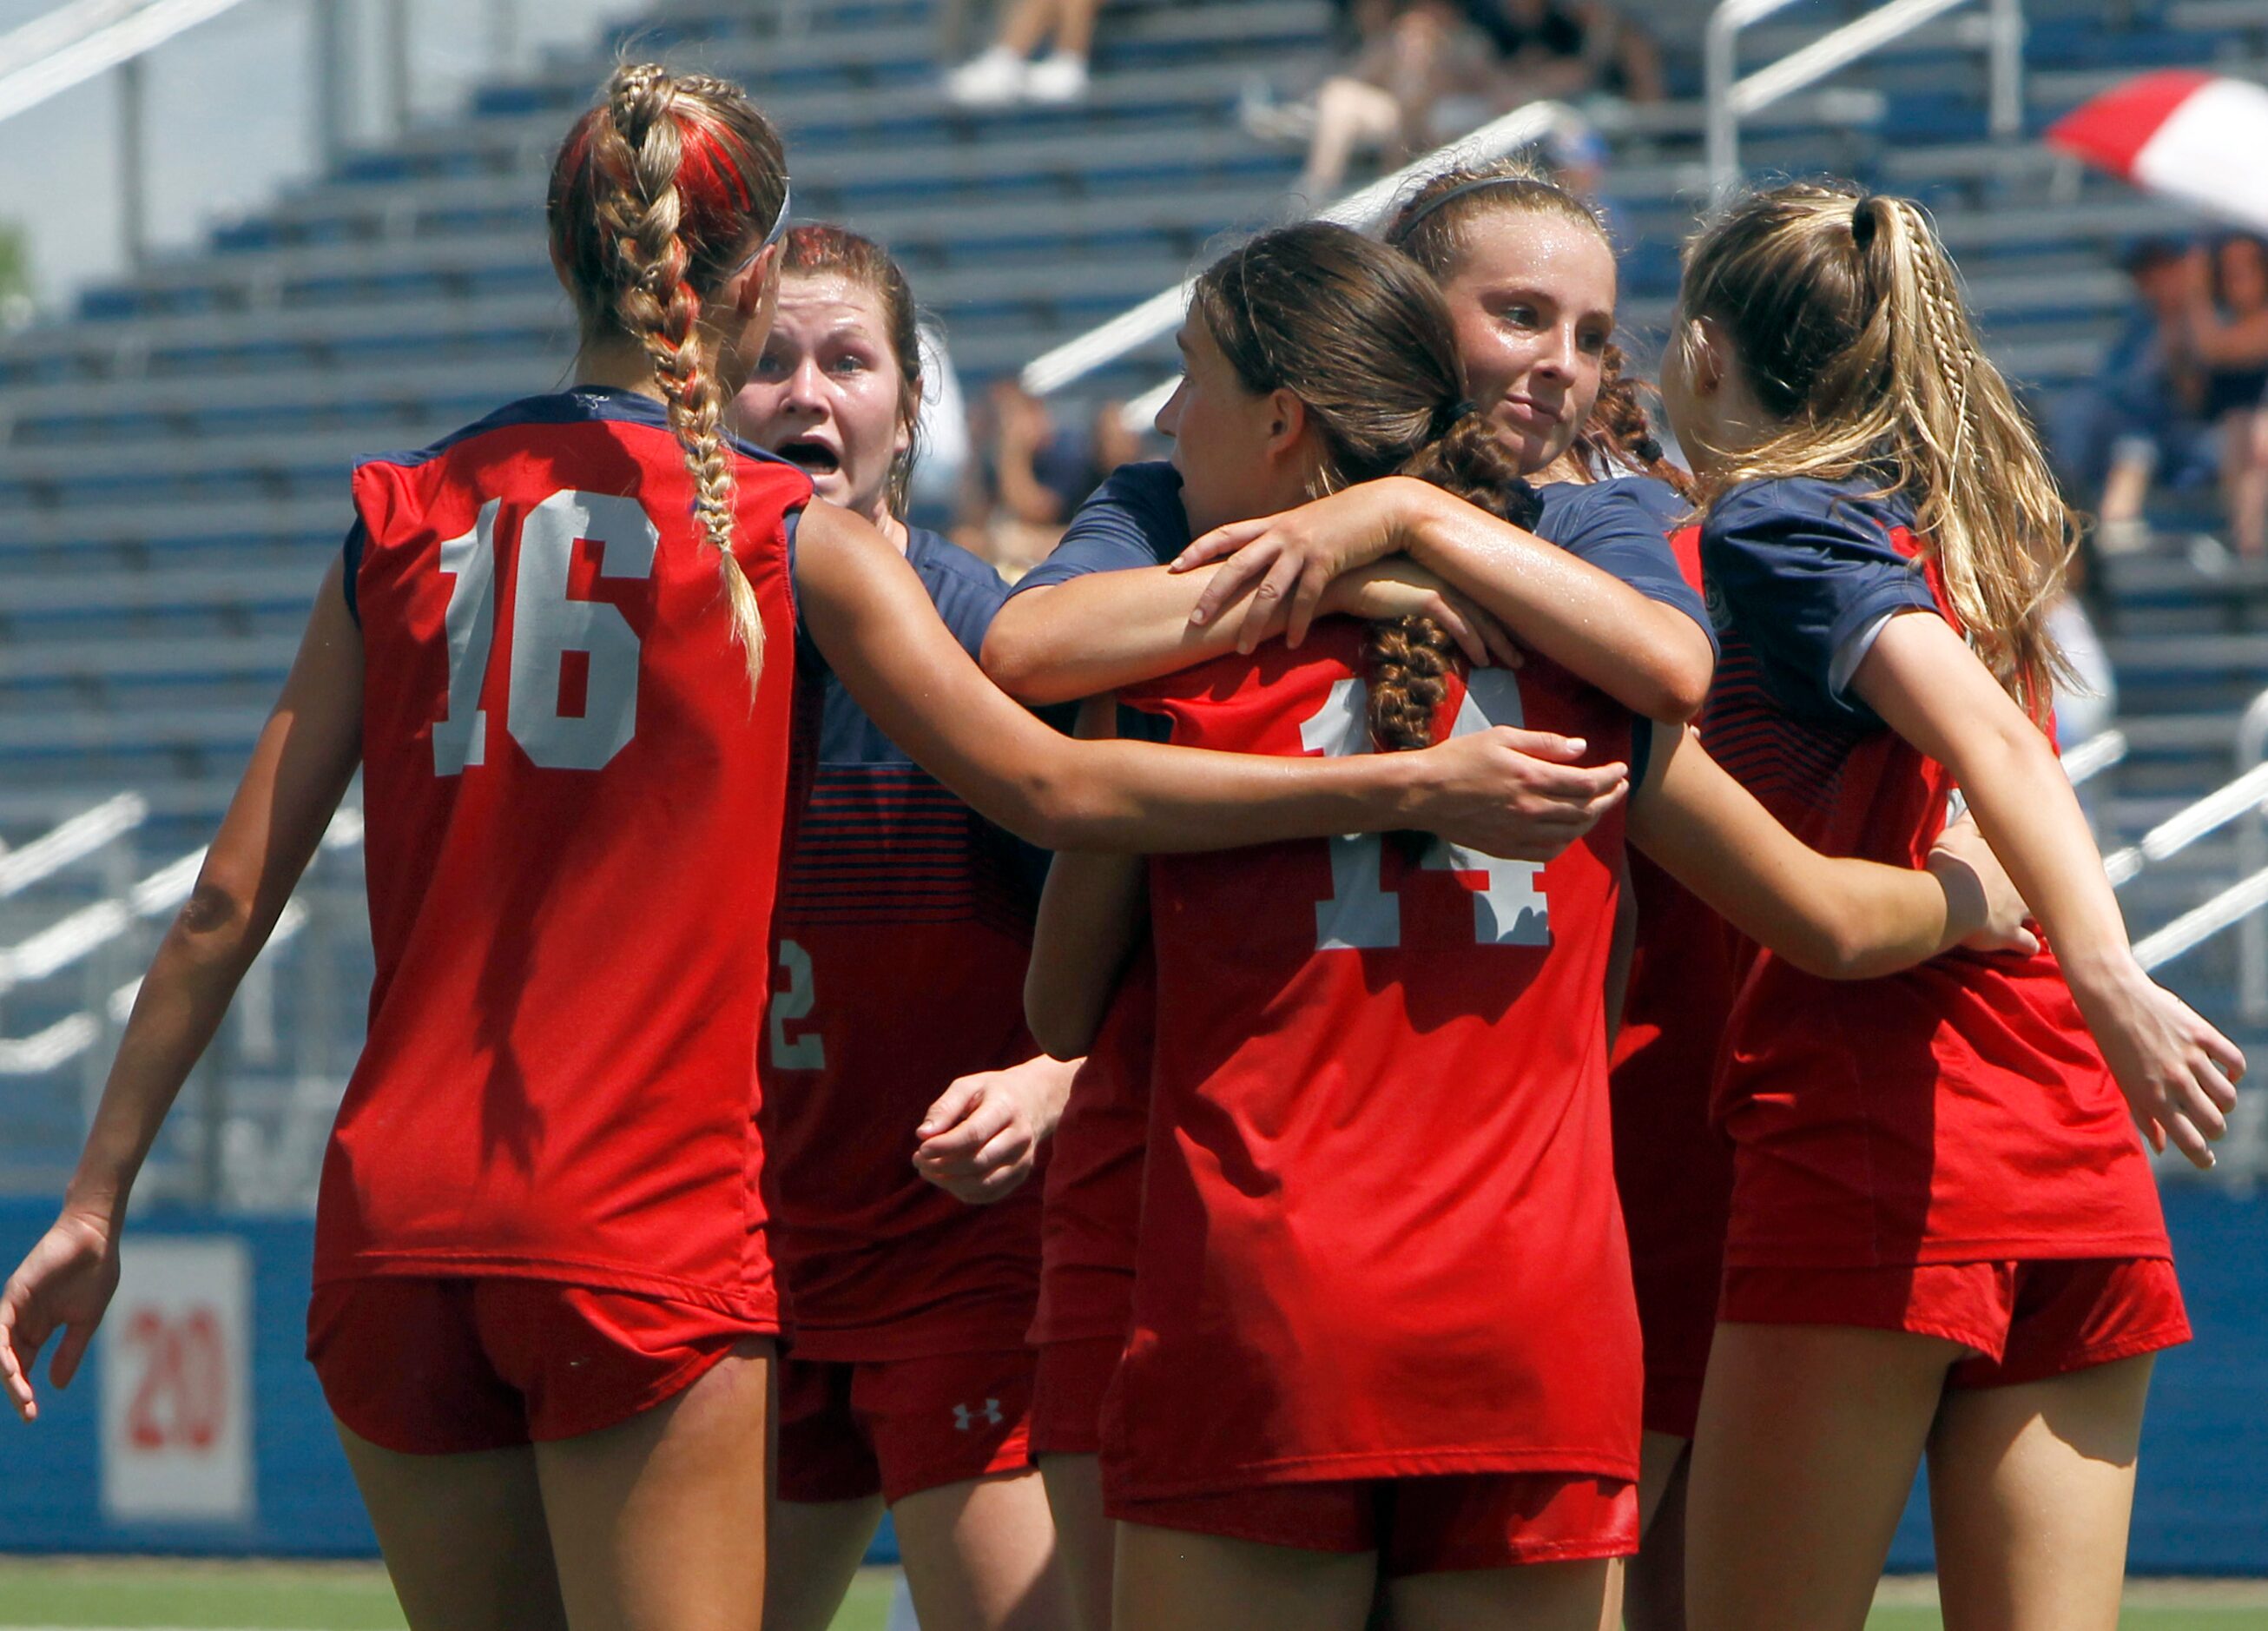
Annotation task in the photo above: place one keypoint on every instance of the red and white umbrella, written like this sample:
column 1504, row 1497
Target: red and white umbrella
column 2196, row 136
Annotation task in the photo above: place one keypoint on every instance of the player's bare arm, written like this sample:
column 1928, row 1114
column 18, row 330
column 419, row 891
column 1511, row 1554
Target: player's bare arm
column 1839, row 919
column 1105, row 630
column 1091, row 912
column 866, row 611
column 1651, row 658
column 2176, row 1071
column 305, row 756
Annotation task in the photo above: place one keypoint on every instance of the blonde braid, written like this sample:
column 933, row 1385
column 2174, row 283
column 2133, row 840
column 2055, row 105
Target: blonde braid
column 642, row 141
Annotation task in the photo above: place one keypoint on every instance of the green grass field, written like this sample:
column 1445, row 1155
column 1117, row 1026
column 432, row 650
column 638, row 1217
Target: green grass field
column 142, row 1594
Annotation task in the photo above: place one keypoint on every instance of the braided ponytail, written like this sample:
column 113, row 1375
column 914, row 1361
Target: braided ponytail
column 1851, row 328
column 656, row 199
column 1408, row 659
column 1362, row 336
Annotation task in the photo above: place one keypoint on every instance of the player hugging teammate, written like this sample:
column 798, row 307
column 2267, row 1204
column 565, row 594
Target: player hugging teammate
column 1370, row 1276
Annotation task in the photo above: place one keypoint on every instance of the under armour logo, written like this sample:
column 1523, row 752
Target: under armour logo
column 965, row 1419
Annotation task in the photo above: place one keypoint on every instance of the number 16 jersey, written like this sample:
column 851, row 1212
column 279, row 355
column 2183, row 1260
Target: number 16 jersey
column 1379, row 1235
column 574, row 806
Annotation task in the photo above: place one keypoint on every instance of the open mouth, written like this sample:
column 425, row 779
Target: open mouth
column 815, row 458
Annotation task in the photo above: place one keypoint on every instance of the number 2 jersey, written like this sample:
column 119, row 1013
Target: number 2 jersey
column 575, row 801
column 903, row 928
column 1379, row 1235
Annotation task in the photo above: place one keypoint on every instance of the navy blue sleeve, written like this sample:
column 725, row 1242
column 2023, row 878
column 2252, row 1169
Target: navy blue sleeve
column 1621, row 527
column 1134, row 519
column 809, row 659
column 966, row 591
column 357, row 540
column 1804, row 572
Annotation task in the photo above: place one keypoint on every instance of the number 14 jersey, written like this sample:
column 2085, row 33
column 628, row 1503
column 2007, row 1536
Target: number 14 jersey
column 574, row 808
column 1379, row 1234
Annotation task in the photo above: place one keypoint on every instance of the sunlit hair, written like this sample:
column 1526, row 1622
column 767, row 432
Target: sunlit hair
column 1848, row 319
column 659, row 195
column 1362, row 336
column 1434, row 227
column 822, row 249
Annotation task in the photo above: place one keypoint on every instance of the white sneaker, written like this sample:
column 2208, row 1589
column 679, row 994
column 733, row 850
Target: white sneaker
column 1058, row 78
column 993, row 80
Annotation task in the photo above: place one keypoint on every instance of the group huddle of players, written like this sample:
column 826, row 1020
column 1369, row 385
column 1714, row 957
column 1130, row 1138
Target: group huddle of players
column 1508, row 1070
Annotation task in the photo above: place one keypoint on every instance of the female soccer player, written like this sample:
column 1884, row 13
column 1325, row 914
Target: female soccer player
column 1530, row 280
column 902, row 929
column 1945, row 1236
column 1529, row 275
column 1378, row 1210
column 545, row 1309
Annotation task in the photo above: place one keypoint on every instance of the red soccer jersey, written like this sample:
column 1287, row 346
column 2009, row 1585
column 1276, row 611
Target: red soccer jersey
column 903, row 930
column 1673, row 1168
column 574, row 807
column 1094, row 1173
column 1379, row 1233
column 1957, row 1111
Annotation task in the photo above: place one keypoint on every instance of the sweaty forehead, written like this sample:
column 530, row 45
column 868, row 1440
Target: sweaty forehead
column 825, row 302
column 1550, row 253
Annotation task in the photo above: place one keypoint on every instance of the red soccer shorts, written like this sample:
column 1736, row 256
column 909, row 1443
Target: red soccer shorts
column 2027, row 1321
column 443, row 1367
column 1067, row 1397
column 895, row 1428
column 1420, row 1525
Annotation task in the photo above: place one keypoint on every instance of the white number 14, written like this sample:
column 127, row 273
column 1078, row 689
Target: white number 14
column 1361, row 912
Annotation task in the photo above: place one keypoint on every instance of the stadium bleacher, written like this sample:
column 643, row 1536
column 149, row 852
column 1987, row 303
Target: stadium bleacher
column 149, row 599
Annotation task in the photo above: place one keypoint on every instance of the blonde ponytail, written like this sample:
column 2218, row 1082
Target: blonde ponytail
column 1850, row 324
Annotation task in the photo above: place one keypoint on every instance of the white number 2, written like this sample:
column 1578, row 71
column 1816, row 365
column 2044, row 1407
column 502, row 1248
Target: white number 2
column 546, row 624
column 795, row 1003
column 1509, row 911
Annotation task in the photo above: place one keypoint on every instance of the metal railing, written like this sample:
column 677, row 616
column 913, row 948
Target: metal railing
column 261, row 1103
column 1162, row 313
column 1732, row 98
column 251, row 1134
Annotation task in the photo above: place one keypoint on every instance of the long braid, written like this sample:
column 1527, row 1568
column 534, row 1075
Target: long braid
column 660, row 195
column 642, row 140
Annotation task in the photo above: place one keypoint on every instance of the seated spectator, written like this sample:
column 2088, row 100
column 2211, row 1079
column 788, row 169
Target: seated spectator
column 1548, row 49
column 2141, row 423
column 1428, row 70
column 1005, row 72
column 2229, row 336
column 1041, row 474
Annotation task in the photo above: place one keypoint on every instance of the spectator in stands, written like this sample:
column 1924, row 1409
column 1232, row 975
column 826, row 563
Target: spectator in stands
column 2142, row 421
column 1427, row 70
column 2228, row 335
column 1567, row 48
column 1041, row 473
column 1005, row 72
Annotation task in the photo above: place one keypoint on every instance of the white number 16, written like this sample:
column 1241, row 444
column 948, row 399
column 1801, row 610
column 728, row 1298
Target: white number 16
column 547, row 624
